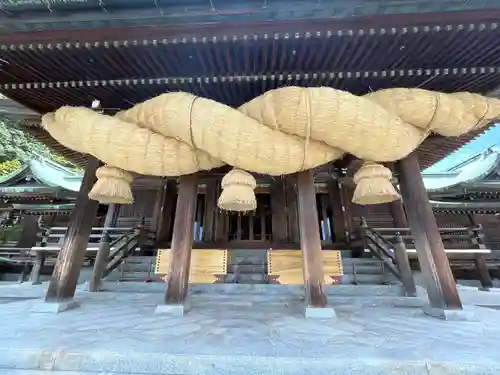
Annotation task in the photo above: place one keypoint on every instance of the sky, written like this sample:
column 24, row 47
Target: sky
column 490, row 138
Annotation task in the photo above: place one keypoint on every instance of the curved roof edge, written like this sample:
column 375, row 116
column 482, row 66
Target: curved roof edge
column 472, row 170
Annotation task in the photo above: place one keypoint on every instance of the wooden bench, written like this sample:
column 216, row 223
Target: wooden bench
column 207, row 266
column 285, row 266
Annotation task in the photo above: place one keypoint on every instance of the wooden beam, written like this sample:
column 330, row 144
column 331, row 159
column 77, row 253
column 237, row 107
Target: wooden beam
column 439, row 281
column 70, row 259
column 335, row 193
column 399, row 214
column 167, row 210
column 182, row 240
column 278, row 207
column 310, row 241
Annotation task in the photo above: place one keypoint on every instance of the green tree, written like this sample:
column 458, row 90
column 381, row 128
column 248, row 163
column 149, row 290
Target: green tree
column 17, row 145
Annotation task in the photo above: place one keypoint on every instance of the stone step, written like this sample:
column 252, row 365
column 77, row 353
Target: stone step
column 239, row 290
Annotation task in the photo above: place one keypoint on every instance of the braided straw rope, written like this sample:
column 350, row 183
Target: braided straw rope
column 280, row 132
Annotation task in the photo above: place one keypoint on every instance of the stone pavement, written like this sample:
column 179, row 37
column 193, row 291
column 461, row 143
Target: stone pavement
column 241, row 333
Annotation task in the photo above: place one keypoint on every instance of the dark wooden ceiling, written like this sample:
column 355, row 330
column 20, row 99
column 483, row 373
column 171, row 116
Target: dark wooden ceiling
column 46, row 70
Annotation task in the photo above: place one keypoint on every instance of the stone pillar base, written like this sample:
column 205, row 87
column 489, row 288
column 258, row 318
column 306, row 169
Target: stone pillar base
column 320, row 313
column 458, row 315
column 174, row 310
column 54, row 307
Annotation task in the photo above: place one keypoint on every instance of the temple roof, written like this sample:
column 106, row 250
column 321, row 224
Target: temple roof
column 40, row 177
column 17, row 16
column 479, row 171
column 232, row 52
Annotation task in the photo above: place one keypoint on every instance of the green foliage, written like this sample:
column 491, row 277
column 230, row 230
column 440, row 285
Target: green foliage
column 9, row 166
column 18, row 146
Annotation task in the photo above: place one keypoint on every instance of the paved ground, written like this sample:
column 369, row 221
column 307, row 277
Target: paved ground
column 115, row 333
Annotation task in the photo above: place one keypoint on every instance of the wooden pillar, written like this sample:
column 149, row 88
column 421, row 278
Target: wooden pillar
column 438, row 278
column 182, row 240
column 399, row 214
column 221, row 221
column 347, row 194
column 291, row 210
column 278, row 212
column 403, row 264
column 70, row 260
column 335, row 194
column 29, row 233
column 36, row 272
column 477, row 239
column 156, row 215
column 210, row 211
column 101, row 259
column 310, row 241
column 167, row 210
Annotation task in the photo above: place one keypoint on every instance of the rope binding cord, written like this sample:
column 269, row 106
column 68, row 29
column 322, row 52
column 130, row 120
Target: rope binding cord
column 284, row 131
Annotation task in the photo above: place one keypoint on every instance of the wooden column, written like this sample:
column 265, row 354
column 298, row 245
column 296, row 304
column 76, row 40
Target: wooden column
column 278, row 207
column 403, row 264
column 210, row 211
column 347, row 194
column 338, row 218
column 36, row 272
column 291, row 210
column 182, row 240
column 70, row 260
column 310, row 241
column 399, row 214
column 167, row 210
column 156, row 215
column 439, row 281
column 30, row 232
column 221, row 221
column 477, row 239
column 101, row 259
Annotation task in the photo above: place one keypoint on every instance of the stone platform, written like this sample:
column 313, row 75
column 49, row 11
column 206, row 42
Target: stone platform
column 241, row 333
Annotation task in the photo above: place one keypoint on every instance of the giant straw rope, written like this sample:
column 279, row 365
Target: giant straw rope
column 280, row 132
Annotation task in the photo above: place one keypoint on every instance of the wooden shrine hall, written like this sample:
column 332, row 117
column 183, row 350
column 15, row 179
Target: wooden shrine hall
column 121, row 53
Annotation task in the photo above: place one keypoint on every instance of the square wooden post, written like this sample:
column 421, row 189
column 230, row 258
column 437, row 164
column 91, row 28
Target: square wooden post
column 180, row 253
column 339, row 225
column 310, row 243
column 398, row 214
column 166, row 212
column 439, row 281
column 64, row 279
column 101, row 259
column 278, row 208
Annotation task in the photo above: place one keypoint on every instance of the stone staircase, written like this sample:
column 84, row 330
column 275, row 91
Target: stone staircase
column 250, row 267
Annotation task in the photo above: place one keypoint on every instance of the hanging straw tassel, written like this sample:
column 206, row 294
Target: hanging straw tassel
column 113, row 185
column 373, row 185
column 238, row 192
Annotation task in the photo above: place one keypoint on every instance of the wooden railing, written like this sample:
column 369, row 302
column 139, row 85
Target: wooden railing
column 121, row 243
column 396, row 246
column 463, row 240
